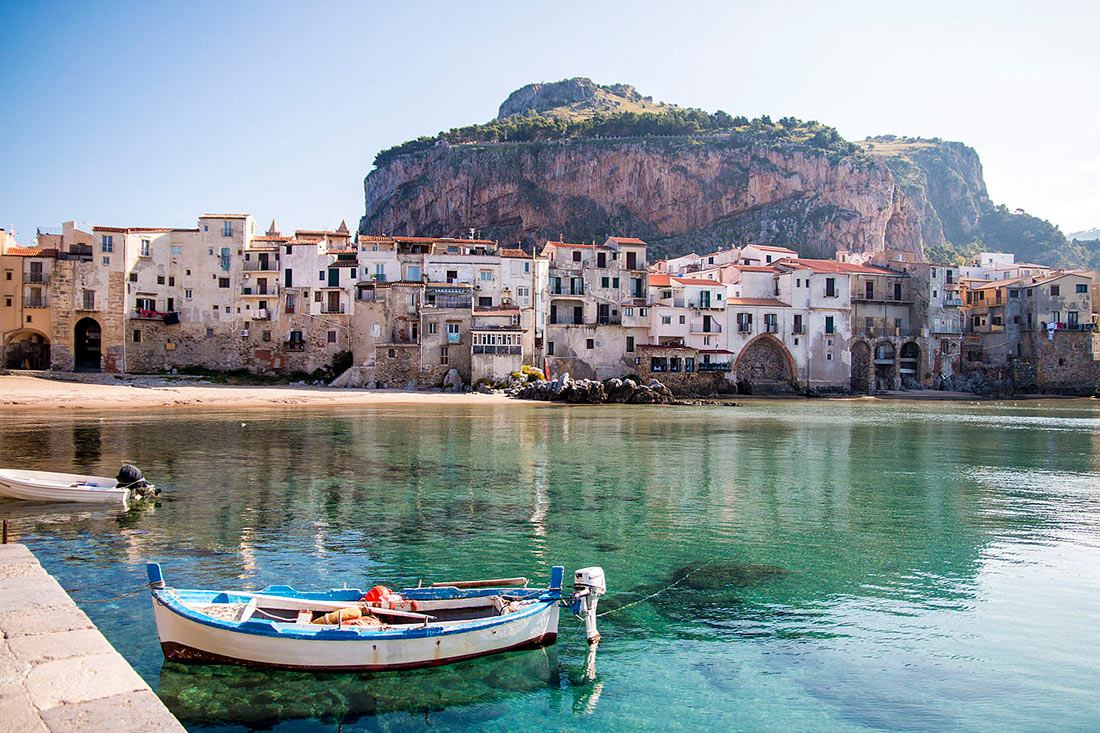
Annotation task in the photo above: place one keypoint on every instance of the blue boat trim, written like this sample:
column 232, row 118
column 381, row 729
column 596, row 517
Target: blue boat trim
column 285, row 631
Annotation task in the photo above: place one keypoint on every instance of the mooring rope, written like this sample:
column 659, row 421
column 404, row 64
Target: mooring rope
column 670, row 586
column 140, row 588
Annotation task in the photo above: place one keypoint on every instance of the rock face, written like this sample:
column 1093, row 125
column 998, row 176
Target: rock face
column 678, row 193
column 593, row 391
column 568, row 93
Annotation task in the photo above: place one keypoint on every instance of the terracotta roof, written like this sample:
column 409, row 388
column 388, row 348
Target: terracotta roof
column 269, row 238
column 695, row 281
column 108, row 229
column 986, row 285
column 567, row 245
column 626, row 240
column 834, row 267
column 755, row 268
column 659, row 281
column 30, row 252
column 757, row 301
column 515, row 253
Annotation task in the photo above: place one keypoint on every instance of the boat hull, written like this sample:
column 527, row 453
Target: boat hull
column 187, row 639
column 67, row 487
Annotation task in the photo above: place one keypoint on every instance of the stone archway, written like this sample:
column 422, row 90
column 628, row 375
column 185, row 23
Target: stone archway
column 861, row 367
column 909, row 361
column 885, row 365
column 27, row 349
column 87, row 344
column 764, row 365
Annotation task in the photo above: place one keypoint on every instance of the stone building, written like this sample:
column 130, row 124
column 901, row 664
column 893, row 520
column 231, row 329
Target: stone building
column 25, row 322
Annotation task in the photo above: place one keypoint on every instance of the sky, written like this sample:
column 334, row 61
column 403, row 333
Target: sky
column 151, row 114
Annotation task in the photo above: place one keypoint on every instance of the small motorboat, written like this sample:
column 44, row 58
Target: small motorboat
column 348, row 630
column 128, row 486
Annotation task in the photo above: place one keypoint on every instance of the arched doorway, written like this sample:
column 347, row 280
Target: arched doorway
column 764, row 365
column 86, row 344
column 884, row 365
column 861, row 367
column 909, row 361
column 27, row 350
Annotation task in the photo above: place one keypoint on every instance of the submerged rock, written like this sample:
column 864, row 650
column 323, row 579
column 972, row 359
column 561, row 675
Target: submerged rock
column 717, row 576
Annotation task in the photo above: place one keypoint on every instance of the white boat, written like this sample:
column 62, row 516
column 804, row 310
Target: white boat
column 348, row 630
column 49, row 486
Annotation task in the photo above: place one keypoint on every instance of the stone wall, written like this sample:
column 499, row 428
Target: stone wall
column 681, row 382
column 1067, row 364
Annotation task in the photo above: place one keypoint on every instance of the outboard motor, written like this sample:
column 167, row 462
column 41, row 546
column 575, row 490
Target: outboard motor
column 130, row 477
column 589, row 585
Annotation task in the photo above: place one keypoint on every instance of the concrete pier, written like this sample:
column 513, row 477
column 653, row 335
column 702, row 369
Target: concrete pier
column 57, row 671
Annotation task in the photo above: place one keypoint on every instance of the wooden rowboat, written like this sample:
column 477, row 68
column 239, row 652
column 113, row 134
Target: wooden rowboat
column 49, row 486
column 346, row 629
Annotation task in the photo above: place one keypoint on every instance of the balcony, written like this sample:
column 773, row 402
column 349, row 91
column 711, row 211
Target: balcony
column 260, row 266
column 261, row 314
column 266, row 291
column 143, row 314
column 499, row 349
column 35, row 303
column 703, row 328
column 952, row 302
column 36, row 277
column 329, row 308
column 714, row 366
column 946, row 329
column 294, row 346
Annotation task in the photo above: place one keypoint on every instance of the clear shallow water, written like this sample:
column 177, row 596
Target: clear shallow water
column 899, row 565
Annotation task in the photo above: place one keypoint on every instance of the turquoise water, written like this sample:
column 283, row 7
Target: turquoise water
column 869, row 565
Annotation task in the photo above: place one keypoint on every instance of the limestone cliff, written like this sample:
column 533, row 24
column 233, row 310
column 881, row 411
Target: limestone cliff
column 578, row 160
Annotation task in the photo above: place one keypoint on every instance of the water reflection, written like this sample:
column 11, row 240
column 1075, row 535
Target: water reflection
column 843, row 542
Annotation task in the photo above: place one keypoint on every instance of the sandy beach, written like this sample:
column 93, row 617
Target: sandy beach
column 101, row 392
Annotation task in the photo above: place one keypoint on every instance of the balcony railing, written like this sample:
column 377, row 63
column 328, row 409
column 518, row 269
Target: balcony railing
column 956, row 302
column 257, row 291
column 260, row 266
column 36, row 277
column 329, row 308
column 35, row 303
column 142, row 314
column 704, row 328
column 295, row 346
column 261, row 314
column 714, row 366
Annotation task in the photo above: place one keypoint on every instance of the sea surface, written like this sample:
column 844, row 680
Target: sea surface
column 793, row 565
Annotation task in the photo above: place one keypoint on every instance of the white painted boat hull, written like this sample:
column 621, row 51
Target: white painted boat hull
column 186, row 639
column 47, row 486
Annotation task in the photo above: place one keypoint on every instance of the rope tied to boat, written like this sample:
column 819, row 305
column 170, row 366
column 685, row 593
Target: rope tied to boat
column 656, row 593
column 140, row 588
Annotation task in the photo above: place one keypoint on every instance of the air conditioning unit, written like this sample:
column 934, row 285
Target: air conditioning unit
column 245, row 276
column 244, row 333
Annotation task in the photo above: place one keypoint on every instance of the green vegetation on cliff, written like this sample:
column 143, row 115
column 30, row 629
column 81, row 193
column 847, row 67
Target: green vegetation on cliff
column 675, row 121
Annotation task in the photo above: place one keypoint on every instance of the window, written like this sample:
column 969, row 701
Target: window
column 223, row 282
column 177, row 249
column 629, row 344
column 453, row 336
column 628, row 311
column 589, row 343
column 160, row 279
column 549, row 348
column 288, row 278
column 683, row 319
column 642, row 312
column 414, row 273
column 265, row 336
column 320, row 275
column 107, row 243
column 146, row 304
column 830, row 287
column 332, row 337
column 7, row 301
column 897, row 291
column 89, row 300
column 869, row 288
column 7, row 276
column 527, row 267
column 829, row 325
column 442, row 354
column 224, row 258
column 485, row 301
column 1055, row 290
column 209, row 333
column 1082, row 287
column 744, row 322
column 771, row 323
column 576, row 256
column 227, row 229
column 380, row 273
column 486, row 275
column 133, row 277
column 187, row 272
column 605, row 282
column 171, row 282
column 187, row 293
column 797, row 323
column 145, row 248
column 615, row 282
column 666, row 320
column 137, row 336
column 601, row 260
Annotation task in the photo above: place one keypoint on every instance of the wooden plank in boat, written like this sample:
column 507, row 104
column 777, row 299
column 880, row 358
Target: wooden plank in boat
column 494, row 583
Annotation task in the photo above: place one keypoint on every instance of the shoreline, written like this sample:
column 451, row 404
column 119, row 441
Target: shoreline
column 92, row 393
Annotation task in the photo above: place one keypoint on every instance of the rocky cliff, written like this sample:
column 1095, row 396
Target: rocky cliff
column 578, row 160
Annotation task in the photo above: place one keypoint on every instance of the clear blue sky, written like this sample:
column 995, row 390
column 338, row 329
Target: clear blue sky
column 150, row 114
